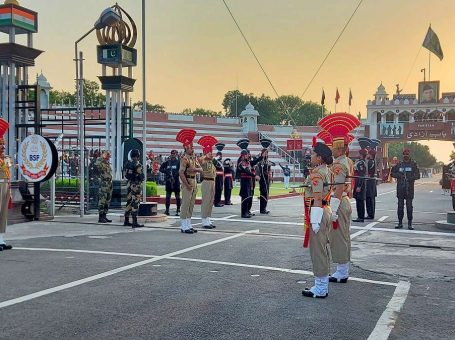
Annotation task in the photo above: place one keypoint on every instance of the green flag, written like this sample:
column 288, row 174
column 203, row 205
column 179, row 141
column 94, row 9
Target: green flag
column 432, row 44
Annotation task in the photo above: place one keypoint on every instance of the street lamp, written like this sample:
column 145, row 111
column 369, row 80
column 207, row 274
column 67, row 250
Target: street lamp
column 107, row 18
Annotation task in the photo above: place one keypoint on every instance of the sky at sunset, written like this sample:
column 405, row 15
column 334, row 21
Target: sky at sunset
column 195, row 53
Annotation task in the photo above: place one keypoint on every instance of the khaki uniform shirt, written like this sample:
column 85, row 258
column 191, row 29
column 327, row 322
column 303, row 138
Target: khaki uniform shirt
column 316, row 179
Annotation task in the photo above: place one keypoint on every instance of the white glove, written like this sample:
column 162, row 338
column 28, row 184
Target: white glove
column 334, row 205
column 316, row 218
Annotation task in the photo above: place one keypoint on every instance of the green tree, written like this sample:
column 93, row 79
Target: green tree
column 201, row 112
column 149, row 107
column 63, row 98
column 234, row 102
column 269, row 111
column 295, row 111
column 419, row 153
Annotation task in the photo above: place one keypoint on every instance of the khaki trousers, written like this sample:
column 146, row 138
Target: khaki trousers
column 319, row 246
column 4, row 198
column 208, row 195
column 340, row 239
column 188, row 198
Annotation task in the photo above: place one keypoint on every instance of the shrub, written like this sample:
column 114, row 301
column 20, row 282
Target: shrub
column 152, row 189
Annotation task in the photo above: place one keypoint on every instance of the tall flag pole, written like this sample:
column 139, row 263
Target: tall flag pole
column 322, row 103
column 337, row 98
column 432, row 44
column 350, row 100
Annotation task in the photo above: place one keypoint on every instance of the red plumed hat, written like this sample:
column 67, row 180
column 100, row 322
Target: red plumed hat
column 339, row 125
column 4, row 126
column 186, row 136
column 207, row 143
column 326, row 137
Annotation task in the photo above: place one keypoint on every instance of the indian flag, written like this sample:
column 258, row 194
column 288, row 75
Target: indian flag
column 12, row 16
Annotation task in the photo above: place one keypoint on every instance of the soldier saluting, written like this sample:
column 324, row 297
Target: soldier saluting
column 406, row 172
column 105, row 190
column 134, row 173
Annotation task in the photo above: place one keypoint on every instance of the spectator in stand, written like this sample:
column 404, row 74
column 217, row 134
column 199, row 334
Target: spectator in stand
column 286, row 175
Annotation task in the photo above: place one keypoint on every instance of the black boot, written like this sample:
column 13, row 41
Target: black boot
column 127, row 222
column 177, row 213
column 135, row 224
column 166, row 212
column 400, row 225
column 107, row 220
column 410, row 227
column 102, row 218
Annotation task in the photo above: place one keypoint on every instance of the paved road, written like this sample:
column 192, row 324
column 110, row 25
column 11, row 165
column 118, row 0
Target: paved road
column 73, row 278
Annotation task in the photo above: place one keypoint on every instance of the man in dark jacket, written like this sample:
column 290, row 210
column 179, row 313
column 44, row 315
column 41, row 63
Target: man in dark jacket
column 170, row 169
column 359, row 190
column 406, row 172
column 228, row 180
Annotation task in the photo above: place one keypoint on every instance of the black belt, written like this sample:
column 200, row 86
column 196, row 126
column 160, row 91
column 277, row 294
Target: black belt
column 209, row 179
column 191, row 177
column 324, row 202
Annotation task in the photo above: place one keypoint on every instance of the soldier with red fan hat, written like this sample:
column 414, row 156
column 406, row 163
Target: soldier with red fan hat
column 5, row 195
column 339, row 125
column 318, row 219
column 207, row 163
column 189, row 166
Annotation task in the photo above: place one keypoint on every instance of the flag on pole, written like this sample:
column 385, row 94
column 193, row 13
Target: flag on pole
column 323, row 97
column 337, row 97
column 431, row 43
column 350, row 97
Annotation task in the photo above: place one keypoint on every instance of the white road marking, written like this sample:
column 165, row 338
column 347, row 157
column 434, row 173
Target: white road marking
column 228, row 217
column 421, row 232
column 232, row 264
column 368, row 227
column 389, row 317
column 115, row 271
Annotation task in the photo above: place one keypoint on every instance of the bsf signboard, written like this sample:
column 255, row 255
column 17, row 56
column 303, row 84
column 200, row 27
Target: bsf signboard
column 37, row 158
column 294, row 145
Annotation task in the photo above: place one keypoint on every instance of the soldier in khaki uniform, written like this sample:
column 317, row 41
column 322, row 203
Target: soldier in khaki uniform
column 317, row 219
column 105, row 191
column 189, row 166
column 338, row 125
column 5, row 194
column 207, row 163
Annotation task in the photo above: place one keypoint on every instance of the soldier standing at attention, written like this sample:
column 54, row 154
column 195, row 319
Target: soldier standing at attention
column 219, row 179
column 189, row 167
column 371, row 188
column 338, row 125
column 5, row 195
column 406, row 172
column 359, row 190
column 208, row 179
column 135, row 175
column 228, row 181
column 318, row 219
column 264, row 172
column 170, row 169
column 105, row 191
